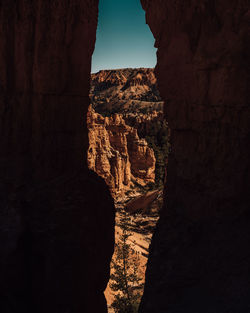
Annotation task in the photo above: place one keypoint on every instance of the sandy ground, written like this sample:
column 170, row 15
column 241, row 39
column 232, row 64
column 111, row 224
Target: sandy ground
column 139, row 242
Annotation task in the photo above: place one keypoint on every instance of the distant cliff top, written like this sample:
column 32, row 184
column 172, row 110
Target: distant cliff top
column 126, row 77
column 125, row 90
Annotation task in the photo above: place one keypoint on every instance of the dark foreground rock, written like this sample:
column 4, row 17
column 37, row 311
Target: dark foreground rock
column 56, row 242
column 200, row 258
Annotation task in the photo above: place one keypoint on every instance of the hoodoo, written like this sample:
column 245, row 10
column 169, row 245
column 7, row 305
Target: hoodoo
column 117, row 154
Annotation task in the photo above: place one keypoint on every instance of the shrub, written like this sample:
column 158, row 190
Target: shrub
column 125, row 277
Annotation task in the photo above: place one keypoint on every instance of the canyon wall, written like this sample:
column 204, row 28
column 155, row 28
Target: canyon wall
column 117, row 154
column 56, row 242
column 129, row 90
column 200, row 258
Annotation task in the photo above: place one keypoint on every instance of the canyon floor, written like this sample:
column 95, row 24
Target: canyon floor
column 128, row 146
column 141, row 226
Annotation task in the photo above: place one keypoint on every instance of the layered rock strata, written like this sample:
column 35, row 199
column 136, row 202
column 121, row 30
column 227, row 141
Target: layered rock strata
column 56, row 241
column 143, row 122
column 125, row 78
column 117, row 154
column 200, row 259
column 129, row 90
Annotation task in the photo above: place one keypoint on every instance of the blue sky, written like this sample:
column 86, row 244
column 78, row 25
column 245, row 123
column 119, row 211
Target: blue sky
column 123, row 38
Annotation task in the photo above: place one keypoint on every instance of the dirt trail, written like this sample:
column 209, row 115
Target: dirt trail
column 139, row 240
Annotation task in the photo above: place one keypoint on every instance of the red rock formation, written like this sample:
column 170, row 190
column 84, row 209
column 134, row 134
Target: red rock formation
column 118, row 91
column 107, row 78
column 124, row 77
column 143, row 203
column 143, row 77
column 117, row 154
column 56, row 243
column 143, row 122
column 200, row 260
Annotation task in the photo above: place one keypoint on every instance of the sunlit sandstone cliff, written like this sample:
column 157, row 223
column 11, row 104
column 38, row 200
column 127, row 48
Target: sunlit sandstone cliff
column 125, row 78
column 117, row 154
column 125, row 91
column 143, row 122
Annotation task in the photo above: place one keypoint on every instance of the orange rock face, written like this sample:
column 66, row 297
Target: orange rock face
column 143, row 122
column 125, row 77
column 117, row 154
column 117, row 91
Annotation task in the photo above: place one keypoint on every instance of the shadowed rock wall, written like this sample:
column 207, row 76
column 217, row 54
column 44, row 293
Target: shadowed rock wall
column 56, row 242
column 200, row 258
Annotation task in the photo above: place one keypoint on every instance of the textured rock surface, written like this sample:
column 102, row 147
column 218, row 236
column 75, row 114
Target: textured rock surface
column 143, row 204
column 200, row 259
column 125, row 78
column 56, row 243
column 117, row 154
column 129, row 90
column 55, row 240
column 143, row 122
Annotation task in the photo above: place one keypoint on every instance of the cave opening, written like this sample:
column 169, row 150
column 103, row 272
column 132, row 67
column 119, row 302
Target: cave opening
column 128, row 138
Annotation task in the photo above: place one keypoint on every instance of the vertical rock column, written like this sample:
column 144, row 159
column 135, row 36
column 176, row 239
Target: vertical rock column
column 199, row 259
column 56, row 236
